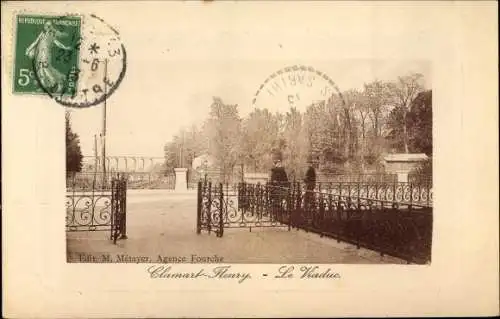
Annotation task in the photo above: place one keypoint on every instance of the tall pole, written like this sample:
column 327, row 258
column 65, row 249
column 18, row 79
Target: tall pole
column 104, row 177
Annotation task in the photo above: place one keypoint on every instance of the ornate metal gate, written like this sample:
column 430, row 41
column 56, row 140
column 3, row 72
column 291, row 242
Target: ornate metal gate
column 210, row 208
column 103, row 209
column 119, row 209
column 222, row 206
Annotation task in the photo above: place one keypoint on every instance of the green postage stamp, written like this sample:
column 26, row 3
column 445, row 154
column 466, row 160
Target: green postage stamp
column 46, row 54
column 77, row 60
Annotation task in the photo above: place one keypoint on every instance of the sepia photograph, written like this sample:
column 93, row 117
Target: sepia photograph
column 319, row 165
column 235, row 158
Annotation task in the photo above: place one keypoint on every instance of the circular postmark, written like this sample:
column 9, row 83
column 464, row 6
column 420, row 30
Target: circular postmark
column 296, row 86
column 80, row 68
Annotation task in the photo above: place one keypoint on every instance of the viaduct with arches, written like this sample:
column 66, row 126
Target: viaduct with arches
column 122, row 163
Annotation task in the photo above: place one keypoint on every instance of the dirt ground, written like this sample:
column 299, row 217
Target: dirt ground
column 163, row 223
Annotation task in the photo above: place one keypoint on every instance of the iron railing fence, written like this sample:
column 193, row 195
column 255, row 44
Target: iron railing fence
column 390, row 192
column 399, row 228
column 394, row 192
column 99, row 209
column 222, row 206
column 321, row 179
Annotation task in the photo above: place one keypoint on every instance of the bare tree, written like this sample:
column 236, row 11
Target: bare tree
column 405, row 91
column 378, row 95
column 347, row 103
column 362, row 110
column 296, row 147
column 224, row 127
column 260, row 132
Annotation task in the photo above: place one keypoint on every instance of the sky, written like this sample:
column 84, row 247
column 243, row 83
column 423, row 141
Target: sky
column 174, row 69
column 143, row 115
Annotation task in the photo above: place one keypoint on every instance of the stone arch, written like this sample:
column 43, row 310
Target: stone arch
column 126, row 163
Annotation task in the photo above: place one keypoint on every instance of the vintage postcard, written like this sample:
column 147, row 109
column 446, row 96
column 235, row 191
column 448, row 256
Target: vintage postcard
column 245, row 148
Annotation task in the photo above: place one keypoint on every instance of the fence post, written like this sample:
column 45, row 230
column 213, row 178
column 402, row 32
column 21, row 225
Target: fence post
column 321, row 215
column 339, row 217
column 198, row 210
column 258, row 202
column 209, row 205
column 221, row 212
column 123, row 212
column 289, row 206
column 296, row 205
column 113, row 211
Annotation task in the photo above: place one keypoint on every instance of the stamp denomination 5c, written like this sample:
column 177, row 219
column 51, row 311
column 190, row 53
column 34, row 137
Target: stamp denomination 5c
column 79, row 61
column 50, row 43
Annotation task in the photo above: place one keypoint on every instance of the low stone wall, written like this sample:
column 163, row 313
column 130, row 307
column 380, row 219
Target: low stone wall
column 255, row 178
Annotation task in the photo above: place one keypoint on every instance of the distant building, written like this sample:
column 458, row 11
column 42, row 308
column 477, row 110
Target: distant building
column 402, row 164
column 204, row 161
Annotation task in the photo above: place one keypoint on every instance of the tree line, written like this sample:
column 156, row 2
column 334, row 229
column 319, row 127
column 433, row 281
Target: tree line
column 347, row 133
column 73, row 151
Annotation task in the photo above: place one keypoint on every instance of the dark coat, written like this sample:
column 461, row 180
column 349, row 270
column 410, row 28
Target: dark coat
column 279, row 179
column 310, row 176
column 278, row 175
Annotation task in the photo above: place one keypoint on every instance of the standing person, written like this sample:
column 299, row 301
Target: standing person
column 279, row 186
column 278, row 175
column 310, row 181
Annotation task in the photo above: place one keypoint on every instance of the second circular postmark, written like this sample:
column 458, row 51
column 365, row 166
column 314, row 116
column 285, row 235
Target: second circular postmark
column 80, row 69
column 296, row 86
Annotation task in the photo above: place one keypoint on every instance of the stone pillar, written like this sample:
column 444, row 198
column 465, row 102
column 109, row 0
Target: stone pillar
column 180, row 179
column 402, row 177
